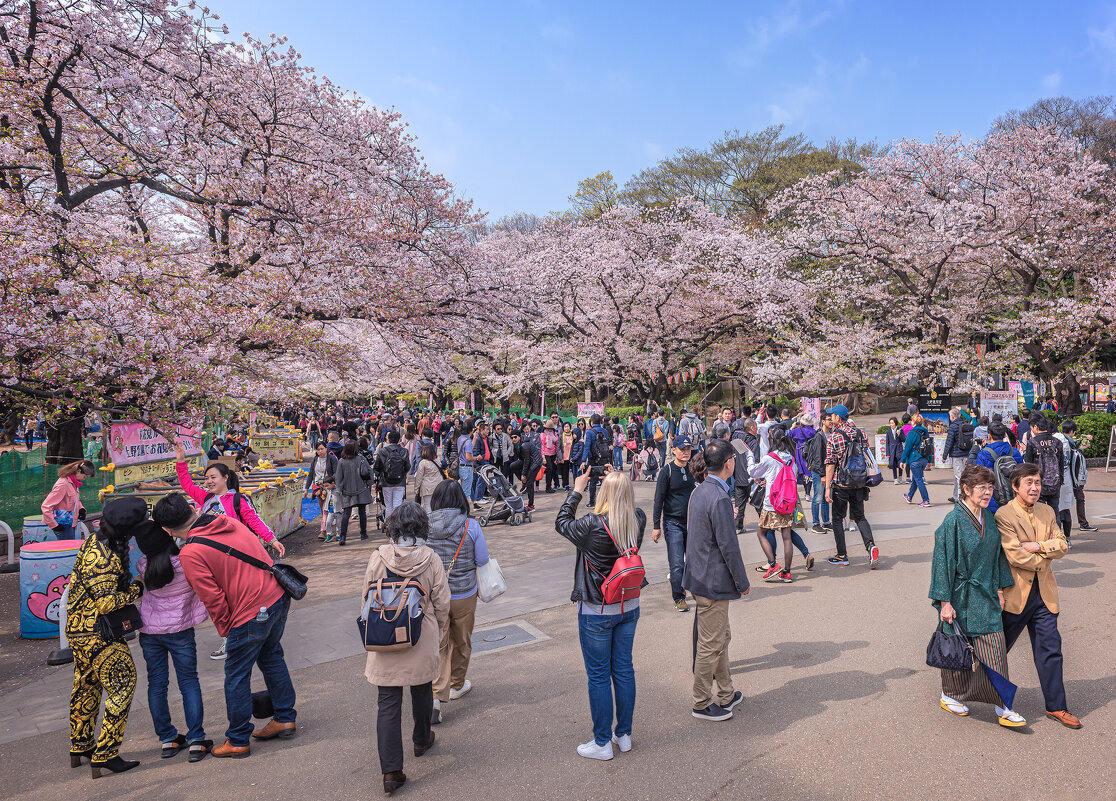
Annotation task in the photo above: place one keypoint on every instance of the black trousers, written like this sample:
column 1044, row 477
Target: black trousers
column 1079, row 496
column 850, row 501
column 740, row 497
column 551, row 473
column 389, row 723
column 362, row 515
column 1046, row 645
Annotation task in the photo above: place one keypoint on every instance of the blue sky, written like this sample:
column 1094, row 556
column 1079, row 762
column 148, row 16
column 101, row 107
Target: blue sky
column 515, row 102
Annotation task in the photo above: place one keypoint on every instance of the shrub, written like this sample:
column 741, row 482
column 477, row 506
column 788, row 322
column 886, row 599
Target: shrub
column 1099, row 426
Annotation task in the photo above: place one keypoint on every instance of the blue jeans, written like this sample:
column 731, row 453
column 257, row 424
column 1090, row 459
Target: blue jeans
column 818, row 501
column 256, row 643
column 674, row 531
column 606, row 647
column 479, row 484
column 466, row 473
column 182, row 650
column 314, row 438
column 917, row 468
column 617, row 457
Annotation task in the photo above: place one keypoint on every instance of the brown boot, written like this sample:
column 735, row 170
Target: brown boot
column 393, row 781
column 422, row 749
column 228, row 750
column 275, row 729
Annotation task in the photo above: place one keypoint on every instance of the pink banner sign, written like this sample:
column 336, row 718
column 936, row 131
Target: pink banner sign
column 587, row 410
column 811, row 406
column 136, row 443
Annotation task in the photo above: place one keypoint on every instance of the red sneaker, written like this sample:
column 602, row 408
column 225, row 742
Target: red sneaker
column 772, row 573
column 785, row 577
column 873, row 558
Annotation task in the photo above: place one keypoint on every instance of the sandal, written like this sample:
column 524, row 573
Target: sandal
column 200, row 750
column 172, row 747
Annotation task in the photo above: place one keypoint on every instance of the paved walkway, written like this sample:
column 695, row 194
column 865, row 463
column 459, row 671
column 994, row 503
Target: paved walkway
column 538, row 567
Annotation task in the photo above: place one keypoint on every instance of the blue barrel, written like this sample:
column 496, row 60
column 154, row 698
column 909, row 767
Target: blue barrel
column 44, row 572
column 35, row 530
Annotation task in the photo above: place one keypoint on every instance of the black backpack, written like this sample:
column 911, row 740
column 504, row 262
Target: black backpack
column 852, row 471
column 601, row 454
column 396, row 465
column 1002, row 468
column 1049, row 465
column 964, row 436
column 238, row 499
column 926, row 447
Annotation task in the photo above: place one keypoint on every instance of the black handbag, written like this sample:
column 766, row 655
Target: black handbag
column 118, row 623
column 289, row 577
column 757, row 497
column 950, row 651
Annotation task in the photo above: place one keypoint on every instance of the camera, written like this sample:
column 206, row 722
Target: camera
column 597, row 472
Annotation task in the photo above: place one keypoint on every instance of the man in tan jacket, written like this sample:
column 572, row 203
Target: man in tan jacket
column 1032, row 538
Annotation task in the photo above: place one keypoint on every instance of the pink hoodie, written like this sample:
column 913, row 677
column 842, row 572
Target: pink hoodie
column 197, row 495
column 170, row 609
column 64, row 496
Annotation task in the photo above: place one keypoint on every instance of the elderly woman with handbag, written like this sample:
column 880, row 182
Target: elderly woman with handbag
column 967, row 579
column 99, row 612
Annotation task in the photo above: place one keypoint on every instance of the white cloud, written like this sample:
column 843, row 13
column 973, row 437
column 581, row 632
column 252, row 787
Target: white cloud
column 786, row 21
column 1051, row 81
column 1102, row 41
column 796, row 105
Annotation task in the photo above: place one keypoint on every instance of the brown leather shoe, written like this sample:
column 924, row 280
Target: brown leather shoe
column 422, row 749
column 228, row 750
column 1065, row 718
column 275, row 729
column 393, row 781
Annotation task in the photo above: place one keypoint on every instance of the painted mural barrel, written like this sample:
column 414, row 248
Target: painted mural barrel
column 35, row 530
column 44, row 572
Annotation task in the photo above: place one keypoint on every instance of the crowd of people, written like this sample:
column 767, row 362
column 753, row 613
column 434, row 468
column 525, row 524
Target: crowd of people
column 206, row 556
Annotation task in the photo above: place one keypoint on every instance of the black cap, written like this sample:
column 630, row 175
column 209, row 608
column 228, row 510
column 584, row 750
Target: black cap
column 122, row 515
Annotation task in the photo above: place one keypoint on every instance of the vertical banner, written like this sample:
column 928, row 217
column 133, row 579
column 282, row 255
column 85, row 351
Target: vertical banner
column 811, row 406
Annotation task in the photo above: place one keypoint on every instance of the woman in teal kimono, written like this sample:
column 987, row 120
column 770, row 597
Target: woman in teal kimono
column 967, row 578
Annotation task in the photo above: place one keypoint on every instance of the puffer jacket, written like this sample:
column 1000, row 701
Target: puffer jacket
column 593, row 546
column 446, row 529
column 170, row 609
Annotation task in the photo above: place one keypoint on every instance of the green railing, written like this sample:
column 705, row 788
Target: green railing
column 25, row 480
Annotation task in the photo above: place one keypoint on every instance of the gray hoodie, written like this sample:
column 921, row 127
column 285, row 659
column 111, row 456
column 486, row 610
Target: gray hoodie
column 447, row 526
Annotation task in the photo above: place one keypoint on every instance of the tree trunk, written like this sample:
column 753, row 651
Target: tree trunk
column 505, row 406
column 11, row 426
column 64, row 439
column 1069, row 395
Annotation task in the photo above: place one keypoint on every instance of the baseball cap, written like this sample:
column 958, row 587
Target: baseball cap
column 839, row 410
column 682, row 441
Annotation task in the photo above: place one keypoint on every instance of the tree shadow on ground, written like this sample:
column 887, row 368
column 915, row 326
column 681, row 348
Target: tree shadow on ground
column 796, row 655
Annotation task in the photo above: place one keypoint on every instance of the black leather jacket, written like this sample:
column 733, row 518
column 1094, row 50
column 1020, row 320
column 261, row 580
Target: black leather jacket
column 593, row 545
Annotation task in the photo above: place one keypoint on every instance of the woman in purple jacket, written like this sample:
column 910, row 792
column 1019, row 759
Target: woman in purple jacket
column 170, row 609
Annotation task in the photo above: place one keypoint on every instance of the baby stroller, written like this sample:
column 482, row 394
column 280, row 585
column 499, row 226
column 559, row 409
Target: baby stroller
column 501, row 501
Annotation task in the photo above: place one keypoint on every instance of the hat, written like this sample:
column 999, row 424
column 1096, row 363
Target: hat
column 806, row 419
column 121, row 515
column 839, row 410
column 682, row 441
column 549, row 424
column 152, row 539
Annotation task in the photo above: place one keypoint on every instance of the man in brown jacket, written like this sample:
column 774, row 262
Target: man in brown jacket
column 1032, row 538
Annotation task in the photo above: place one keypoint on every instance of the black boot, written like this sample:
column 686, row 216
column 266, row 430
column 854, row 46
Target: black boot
column 77, row 756
column 116, row 765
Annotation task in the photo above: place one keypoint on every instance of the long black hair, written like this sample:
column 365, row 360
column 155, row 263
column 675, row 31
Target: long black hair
column 118, row 544
column 230, row 476
column 159, row 571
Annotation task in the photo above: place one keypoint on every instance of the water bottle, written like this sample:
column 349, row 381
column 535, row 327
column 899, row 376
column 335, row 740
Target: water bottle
column 262, row 616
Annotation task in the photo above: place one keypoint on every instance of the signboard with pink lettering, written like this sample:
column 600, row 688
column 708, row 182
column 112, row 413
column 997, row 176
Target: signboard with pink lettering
column 136, row 443
column 587, row 410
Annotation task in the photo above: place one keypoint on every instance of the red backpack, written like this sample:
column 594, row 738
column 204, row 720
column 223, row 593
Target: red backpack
column 625, row 580
column 784, row 489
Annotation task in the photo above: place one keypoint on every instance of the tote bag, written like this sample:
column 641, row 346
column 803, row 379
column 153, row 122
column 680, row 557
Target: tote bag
column 490, row 580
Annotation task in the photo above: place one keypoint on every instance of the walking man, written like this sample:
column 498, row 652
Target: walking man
column 715, row 575
column 959, row 441
column 672, row 502
column 845, row 491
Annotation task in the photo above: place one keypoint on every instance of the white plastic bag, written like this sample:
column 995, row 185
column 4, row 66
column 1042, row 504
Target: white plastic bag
column 490, row 580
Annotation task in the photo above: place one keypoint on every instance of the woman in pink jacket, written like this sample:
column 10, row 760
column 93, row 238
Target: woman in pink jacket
column 170, row 609
column 221, row 496
column 62, row 508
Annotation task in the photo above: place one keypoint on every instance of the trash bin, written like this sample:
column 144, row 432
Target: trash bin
column 35, row 530
column 44, row 572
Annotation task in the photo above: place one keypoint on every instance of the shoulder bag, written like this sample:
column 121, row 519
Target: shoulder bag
column 118, row 623
column 289, row 577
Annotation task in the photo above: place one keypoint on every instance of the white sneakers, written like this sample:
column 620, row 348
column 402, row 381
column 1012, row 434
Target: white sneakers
column 591, row 750
column 455, row 694
column 623, row 742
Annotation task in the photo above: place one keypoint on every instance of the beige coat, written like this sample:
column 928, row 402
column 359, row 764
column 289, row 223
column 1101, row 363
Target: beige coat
column 427, row 478
column 419, row 664
column 1039, row 524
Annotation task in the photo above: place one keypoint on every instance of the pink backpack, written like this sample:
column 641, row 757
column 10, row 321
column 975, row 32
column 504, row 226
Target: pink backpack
column 784, row 490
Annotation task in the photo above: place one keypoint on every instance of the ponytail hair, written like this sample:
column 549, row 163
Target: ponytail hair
column 231, row 478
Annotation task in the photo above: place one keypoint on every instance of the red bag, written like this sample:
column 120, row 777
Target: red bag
column 625, row 580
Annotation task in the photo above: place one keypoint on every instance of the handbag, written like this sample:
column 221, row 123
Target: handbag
column 119, row 623
column 756, row 498
column 950, row 651
column 490, row 580
column 875, row 477
column 287, row 576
